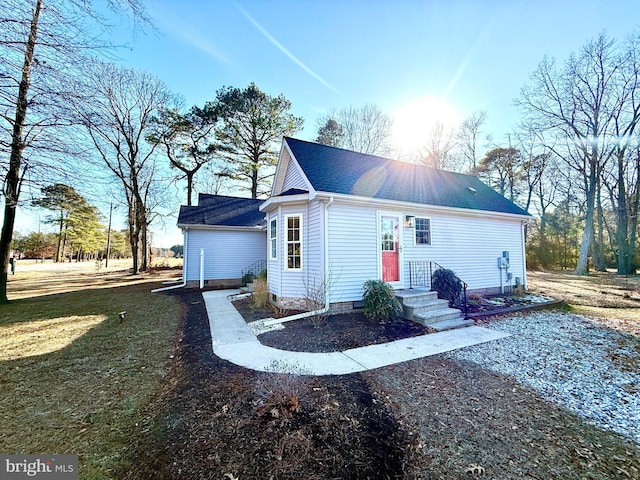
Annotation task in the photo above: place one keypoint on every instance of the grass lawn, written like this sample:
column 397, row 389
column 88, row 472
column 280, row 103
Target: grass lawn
column 74, row 378
column 613, row 299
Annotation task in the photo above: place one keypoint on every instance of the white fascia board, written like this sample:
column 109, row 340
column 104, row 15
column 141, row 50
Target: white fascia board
column 384, row 203
column 226, row 228
column 269, row 204
column 276, row 177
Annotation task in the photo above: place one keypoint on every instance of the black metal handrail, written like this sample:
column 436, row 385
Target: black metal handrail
column 255, row 268
column 421, row 273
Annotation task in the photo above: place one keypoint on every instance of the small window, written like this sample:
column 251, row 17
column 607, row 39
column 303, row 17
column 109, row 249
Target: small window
column 294, row 242
column 273, row 239
column 423, row 231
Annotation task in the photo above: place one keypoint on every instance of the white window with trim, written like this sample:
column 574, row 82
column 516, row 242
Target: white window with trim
column 422, row 231
column 294, row 241
column 273, row 239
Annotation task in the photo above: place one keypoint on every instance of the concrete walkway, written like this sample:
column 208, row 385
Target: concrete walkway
column 233, row 341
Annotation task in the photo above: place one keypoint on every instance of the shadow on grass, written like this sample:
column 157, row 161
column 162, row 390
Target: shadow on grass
column 85, row 398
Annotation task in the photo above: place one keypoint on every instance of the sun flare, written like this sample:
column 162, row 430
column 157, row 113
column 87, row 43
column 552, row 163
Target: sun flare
column 414, row 121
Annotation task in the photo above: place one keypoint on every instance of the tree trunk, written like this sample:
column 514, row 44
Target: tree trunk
column 597, row 249
column 254, row 181
column 633, row 227
column 59, row 247
column 145, row 249
column 133, row 237
column 583, row 268
column 12, row 180
column 189, row 186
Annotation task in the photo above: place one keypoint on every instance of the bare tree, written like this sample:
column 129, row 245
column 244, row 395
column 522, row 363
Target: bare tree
column 365, row 129
column 123, row 104
column 576, row 103
column 467, row 139
column 40, row 42
column 436, row 152
column 622, row 179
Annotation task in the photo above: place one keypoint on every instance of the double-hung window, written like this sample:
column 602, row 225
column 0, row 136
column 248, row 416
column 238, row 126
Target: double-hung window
column 273, row 239
column 294, row 242
column 423, row 231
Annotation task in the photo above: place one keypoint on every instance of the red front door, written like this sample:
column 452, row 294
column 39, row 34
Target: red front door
column 389, row 247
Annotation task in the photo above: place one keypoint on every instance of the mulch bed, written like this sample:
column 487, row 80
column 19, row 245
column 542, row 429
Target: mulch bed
column 339, row 332
column 345, row 331
column 334, row 333
column 433, row 418
column 214, row 419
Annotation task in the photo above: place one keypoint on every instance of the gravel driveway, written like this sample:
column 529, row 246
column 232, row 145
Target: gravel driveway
column 570, row 360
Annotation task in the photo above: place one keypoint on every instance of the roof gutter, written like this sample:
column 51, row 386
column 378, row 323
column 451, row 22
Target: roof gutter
column 368, row 201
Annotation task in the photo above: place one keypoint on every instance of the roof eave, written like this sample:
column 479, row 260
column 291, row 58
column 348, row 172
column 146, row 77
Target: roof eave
column 368, row 201
column 238, row 228
column 273, row 202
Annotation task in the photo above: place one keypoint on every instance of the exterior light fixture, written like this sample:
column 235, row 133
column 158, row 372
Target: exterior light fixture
column 409, row 221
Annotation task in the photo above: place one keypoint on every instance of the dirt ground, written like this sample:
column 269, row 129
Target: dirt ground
column 432, row 418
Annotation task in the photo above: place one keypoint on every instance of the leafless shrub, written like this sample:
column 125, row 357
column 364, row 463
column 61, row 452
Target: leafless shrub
column 316, row 295
column 278, row 391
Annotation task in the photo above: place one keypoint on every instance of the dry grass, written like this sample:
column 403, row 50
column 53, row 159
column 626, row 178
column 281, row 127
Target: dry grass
column 37, row 279
column 260, row 293
column 612, row 299
column 73, row 376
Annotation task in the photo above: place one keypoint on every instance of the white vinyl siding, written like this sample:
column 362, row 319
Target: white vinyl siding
column 226, row 253
column 293, row 177
column 470, row 247
column 315, row 243
column 468, row 244
column 353, row 250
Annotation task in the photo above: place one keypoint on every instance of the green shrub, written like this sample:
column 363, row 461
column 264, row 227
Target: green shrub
column 380, row 303
column 263, row 275
column 247, row 278
column 448, row 286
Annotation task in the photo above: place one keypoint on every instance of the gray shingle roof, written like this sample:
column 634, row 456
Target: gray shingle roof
column 223, row 211
column 335, row 170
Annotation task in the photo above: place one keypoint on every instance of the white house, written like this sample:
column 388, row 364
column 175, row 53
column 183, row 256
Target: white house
column 223, row 236
column 337, row 218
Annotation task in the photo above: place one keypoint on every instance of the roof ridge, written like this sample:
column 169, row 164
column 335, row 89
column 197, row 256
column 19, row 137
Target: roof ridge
column 380, row 157
column 230, row 196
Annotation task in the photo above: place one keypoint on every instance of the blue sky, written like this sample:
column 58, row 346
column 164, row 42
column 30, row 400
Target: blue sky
column 470, row 55
column 462, row 56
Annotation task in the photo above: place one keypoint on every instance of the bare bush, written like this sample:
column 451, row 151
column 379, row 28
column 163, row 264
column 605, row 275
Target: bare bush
column 278, row 391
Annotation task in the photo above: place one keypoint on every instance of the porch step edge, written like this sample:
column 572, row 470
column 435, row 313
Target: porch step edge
column 451, row 324
column 435, row 316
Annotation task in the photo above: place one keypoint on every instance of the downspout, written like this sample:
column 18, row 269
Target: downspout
column 201, row 268
column 325, row 309
column 185, row 255
column 524, row 255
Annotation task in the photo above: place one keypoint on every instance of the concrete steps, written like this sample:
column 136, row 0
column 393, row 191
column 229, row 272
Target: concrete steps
column 424, row 307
